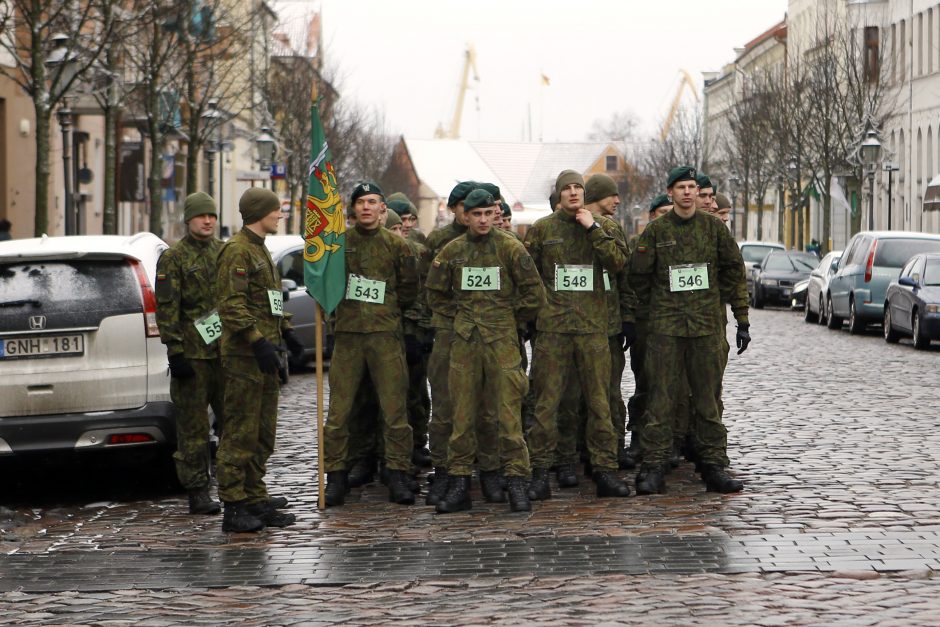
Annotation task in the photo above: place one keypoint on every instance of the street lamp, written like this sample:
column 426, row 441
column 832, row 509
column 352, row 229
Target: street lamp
column 212, row 117
column 871, row 151
column 266, row 146
column 890, row 168
column 63, row 63
column 733, row 181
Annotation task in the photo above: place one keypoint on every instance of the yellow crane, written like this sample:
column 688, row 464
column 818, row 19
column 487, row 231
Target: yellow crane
column 470, row 63
column 684, row 81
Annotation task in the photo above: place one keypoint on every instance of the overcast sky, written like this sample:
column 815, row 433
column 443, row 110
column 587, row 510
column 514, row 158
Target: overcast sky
column 601, row 56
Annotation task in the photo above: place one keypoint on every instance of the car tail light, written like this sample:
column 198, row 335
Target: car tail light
column 129, row 438
column 148, row 299
column 871, row 261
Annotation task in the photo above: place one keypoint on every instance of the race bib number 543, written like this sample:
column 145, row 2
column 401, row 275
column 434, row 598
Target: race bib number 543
column 365, row 290
column 688, row 277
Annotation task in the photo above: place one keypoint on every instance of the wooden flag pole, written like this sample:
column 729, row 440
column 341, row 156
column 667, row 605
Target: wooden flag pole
column 321, row 501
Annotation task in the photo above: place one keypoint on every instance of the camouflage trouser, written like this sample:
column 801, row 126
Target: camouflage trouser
column 686, row 418
column 668, row 361
column 558, row 357
column 192, row 398
column 481, row 371
column 365, row 424
column 441, row 425
column 419, row 403
column 382, row 355
column 249, row 430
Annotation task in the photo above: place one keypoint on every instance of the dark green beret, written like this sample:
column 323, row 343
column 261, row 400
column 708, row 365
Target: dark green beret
column 400, row 204
column 493, row 189
column 504, row 206
column 478, row 198
column 391, row 219
column 723, row 201
column 682, row 173
column 703, row 181
column 198, row 204
column 599, row 187
column 364, row 189
column 660, row 201
column 566, row 178
column 256, row 203
column 460, row 192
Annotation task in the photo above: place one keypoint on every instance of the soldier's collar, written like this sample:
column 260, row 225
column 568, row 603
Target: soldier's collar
column 367, row 232
column 473, row 237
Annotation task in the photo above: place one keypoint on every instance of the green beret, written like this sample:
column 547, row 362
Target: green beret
column 401, row 204
column 478, row 198
column 660, row 201
column 391, row 219
column 504, row 207
column 682, row 173
column 364, row 189
column 199, row 204
column 256, row 203
column 599, row 187
column 703, row 181
column 493, row 189
column 566, row 178
column 460, row 192
column 723, row 201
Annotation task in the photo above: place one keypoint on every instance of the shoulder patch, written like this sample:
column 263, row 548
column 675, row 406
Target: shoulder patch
column 161, row 276
column 641, row 249
column 240, row 271
column 436, row 263
column 526, row 262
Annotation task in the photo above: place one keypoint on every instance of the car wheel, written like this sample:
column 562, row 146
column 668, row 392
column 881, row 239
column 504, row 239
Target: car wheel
column 821, row 317
column 758, row 299
column 808, row 315
column 920, row 341
column 856, row 326
column 891, row 336
column 832, row 320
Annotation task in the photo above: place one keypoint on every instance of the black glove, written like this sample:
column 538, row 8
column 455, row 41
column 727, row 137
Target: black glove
column 743, row 338
column 180, row 368
column 627, row 335
column 266, row 354
column 427, row 344
column 293, row 344
column 413, row 350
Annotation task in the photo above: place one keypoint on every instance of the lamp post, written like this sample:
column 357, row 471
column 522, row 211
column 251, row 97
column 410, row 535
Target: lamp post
column 733, row 181
column 266, row 145
column 890, row 168
column 871, row 151
column 211, row 118
column 64, row 116
column 63, row 63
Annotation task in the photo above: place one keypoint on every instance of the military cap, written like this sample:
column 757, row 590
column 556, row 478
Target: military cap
column 400, row 204
column 478, row 198
column 599, row 187
column 493, row 189
column 682, row 173
column 198, row 204
column 460, row 192
column 566, row 178
column 364, row 189
column 391, row 219
column 256, row 203
column 723, row 201
column 504, row 207
column 703, row 181
column 660, row 201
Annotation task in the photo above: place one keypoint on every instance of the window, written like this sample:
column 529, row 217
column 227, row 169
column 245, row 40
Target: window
column 929, row 50
column 892, row 253
column 908, row 268
column 611, row 163
column 872, row 66
column 918, row 52
column 292, row 267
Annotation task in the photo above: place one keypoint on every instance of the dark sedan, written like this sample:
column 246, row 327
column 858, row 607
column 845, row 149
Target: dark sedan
column 912, row 302
column 776, row 275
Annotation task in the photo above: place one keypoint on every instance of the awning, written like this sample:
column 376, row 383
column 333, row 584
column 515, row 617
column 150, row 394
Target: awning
column 932, row 195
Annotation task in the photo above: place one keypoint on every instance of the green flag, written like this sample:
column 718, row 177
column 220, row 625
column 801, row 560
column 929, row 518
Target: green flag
column 324, row 224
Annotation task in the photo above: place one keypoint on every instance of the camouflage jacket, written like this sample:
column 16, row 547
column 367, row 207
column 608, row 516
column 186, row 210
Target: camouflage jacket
column 377, row 255
column 248, row 280
column 417, row 317
column 437, row 240
column 507, row 295
column 618, row 292
column 672, row 241
column 185, row 291
column 416, row 236
column 559, row 240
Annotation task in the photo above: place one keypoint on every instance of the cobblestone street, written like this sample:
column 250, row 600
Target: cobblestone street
column 835, row 437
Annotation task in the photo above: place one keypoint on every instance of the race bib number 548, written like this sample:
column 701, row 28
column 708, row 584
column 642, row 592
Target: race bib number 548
column 574, row 278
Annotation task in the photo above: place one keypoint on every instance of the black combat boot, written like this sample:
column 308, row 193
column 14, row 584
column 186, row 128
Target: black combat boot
column 270, row 516
column 383, row 472
column 337, row 485
column 438, row 488
column 651, row 480
column 238, row 519
column 609, row 484
column 421, row 457
column 540, row 489
column 518, row 496
column 717, row 480
column 676, row 458
column 362, row 472
column 277, row 502
column 200, row 503
column 625, row 459
column 457, row 498
column 567, row 475
column 398, row 490
column 491, row 487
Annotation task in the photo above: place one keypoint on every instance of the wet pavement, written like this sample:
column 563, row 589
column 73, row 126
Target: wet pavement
column 834, row 435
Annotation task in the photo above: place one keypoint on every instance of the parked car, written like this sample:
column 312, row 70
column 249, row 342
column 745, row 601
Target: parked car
column 872, row 259
column 81, row 363
column 775, row 276
column 912, row 303
column 798, row 295
column 814, row 309
column 287, row 251
column 754, row 253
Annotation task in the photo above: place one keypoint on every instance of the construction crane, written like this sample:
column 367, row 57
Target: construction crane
column 685, row 81
column 470, row 63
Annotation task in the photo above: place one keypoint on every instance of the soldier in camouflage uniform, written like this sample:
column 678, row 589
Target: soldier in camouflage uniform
column 381, row 282
column 190, row 328
column 486, row 282
column 571, row 248
column 253, row 328
column 683, row 266
column 406, row 210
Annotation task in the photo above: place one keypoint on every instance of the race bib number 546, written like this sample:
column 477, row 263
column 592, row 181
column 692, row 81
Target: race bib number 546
column 688, row 277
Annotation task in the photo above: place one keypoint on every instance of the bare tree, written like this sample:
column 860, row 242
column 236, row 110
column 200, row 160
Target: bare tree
column 684, row 145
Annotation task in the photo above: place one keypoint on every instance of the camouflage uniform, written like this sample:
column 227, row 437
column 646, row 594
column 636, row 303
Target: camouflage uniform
column 246, row 277
column 484, row 351
column 686, row 329
column 185, row 292
column 572, row 329
column 417, row 322
column 369, row 337
column 416, row 236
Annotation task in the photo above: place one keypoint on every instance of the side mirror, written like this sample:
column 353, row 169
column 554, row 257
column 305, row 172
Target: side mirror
column 286, row 286
column 907, row 281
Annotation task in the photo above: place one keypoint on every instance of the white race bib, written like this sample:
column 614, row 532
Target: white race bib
column 574, row 278
column 688, row 277
column 365, row 290
column 209, row 327
column 480, row 279
column 276, row 299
